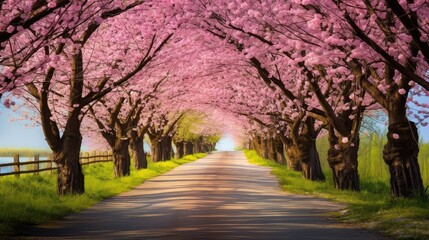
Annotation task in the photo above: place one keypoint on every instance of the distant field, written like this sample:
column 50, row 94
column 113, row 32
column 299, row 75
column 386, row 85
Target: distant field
column 23, row 152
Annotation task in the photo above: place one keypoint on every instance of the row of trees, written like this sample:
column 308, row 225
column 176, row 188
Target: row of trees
column 287, row 71
column 327, row 62
column 96, row 67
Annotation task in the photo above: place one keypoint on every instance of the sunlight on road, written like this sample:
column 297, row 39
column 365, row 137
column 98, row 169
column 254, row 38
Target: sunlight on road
column 226, row 143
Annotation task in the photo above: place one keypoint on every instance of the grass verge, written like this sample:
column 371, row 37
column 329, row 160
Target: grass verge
column 33, row 199
column 371, row 208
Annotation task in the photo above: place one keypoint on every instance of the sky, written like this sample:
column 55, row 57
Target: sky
column 226, row 143
column 17, row 135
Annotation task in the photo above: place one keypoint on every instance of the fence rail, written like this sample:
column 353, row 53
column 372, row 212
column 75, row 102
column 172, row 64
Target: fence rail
column 37, row 165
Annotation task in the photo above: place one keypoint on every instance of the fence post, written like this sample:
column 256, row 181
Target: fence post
column 16, row 166
column 36, row 164
column 49, row 157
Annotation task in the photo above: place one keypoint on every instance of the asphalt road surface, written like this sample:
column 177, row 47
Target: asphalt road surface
column 218, row 197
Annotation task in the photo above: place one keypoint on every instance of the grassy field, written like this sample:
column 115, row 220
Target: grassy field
column 33, row 199
column 23, row 152
column 371, row 208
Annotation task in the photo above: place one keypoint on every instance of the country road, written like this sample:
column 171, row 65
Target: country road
column 218, row 197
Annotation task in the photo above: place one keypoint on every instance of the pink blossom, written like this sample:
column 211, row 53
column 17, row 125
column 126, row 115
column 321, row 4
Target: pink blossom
column 395, row 136
column 402, row 91
column 10, row 29
column 52, row 4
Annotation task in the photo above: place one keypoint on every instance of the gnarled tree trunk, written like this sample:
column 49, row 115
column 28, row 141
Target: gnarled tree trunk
column 70, row 179
column 293, row 154
column 310, row 163
column 400, row 154
column 121, row 158
column 342, row 158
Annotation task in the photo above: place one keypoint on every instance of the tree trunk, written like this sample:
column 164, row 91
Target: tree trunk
column 180, row 149
column 294, row 155
column 197, row 146
column 342, row 158
column 137, row 149
column 121, row 158
column 310, row 162
column 189, row 148
column 271, row 151
column 255, row 145
column 400, row 154
column 279, row 151
column 155, row 149
column 166, row 148
column 264, row 148
column 259, row 146
column 70, row 179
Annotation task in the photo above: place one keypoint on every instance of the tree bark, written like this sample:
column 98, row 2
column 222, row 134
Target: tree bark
column 279, row 150
column 342, row 158
column 271, row 151
column 293, row 154
column 310, row 163
column 180, row 149
column 137, row 149
column 401, row 157
column 155, row 150
column 197, row 146
column 302, row 153
column 264, row 148
column 189, row 148
column 166, row 148
column 121, row 158
column 70, row 179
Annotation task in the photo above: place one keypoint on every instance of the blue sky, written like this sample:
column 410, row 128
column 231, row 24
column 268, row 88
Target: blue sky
column 16, row 135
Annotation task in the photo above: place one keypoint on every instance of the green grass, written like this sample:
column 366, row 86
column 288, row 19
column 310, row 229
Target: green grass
column 371, row 208
column 33, row 199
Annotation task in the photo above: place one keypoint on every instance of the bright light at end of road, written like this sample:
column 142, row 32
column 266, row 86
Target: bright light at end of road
column 226, row 143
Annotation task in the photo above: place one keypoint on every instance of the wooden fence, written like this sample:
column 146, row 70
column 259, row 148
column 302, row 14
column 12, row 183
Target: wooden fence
column 38, row 165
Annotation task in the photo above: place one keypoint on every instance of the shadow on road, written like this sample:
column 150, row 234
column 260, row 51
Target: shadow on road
column 218, row 197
